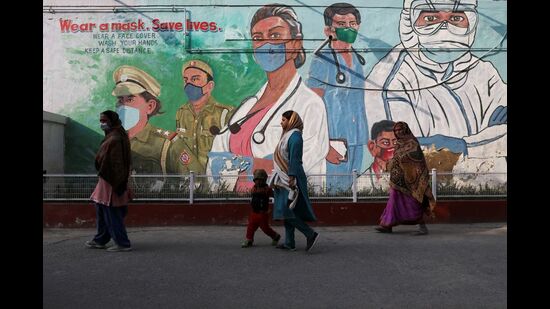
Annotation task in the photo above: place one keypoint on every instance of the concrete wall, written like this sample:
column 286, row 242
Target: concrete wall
column 53, row 142
column 82, row 215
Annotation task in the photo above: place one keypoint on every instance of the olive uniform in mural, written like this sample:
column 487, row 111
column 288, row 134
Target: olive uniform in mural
column 154, row 150
column 157, row 151
column 193, row 124
column 194, row 129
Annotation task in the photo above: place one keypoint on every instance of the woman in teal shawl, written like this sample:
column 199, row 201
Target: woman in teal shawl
column 289, row 183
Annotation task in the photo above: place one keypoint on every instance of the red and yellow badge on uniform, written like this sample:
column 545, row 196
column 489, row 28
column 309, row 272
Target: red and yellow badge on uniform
column 185, row 158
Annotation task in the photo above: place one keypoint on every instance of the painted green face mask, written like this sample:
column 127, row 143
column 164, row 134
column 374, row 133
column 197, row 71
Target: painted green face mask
column 347, row 35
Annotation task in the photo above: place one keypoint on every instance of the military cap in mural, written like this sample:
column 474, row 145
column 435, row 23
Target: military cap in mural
column 197, row 64
column 130, row 80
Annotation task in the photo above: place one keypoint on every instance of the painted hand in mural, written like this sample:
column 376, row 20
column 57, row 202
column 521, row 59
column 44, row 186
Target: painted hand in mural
column 499, row 116
column 334, row 156
column 228, row 164
column 454, row 144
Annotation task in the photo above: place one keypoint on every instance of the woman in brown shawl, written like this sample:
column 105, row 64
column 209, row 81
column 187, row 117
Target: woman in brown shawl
column 410, row 192
column 111, row 194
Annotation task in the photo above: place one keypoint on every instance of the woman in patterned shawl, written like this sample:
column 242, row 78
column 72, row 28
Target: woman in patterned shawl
column 410, row 192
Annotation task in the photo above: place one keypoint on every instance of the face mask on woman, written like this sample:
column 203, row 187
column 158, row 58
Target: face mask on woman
column 270, row 57
column 104, row 126
column 129, row 116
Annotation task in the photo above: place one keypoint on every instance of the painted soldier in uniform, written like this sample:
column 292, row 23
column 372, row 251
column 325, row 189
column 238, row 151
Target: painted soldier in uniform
column 154, row 150
column 194, row 120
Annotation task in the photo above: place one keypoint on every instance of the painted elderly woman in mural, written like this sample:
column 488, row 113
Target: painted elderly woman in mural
column 450, row 98
column 252, row 133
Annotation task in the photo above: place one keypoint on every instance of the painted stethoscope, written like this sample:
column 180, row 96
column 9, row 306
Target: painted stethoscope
column 258, row 137
column 340, row 77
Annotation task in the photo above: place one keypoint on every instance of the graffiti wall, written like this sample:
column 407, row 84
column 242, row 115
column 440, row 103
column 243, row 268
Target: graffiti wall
column 201, row 86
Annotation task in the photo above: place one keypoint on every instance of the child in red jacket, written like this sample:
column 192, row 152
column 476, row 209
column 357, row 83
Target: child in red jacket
column 258, row 217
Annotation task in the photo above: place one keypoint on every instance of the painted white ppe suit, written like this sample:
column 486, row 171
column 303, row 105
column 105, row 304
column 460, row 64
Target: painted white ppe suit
column 449, row 98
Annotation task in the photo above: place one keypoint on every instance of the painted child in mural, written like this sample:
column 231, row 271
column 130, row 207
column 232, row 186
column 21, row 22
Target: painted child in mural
column 253, row 131
column 194, row 120
column 332, row 73
column 451, row 98
column 154, row 150
column 381, row 146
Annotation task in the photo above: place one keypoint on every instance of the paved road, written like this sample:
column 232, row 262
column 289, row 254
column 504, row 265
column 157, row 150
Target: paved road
column 456, row 266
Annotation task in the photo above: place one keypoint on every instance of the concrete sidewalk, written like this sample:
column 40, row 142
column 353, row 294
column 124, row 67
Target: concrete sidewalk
column 455, row 266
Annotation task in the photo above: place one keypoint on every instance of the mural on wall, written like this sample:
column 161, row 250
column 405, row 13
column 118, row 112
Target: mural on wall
column 453, row 101
column 255, row 126
column 334, row 70
column 197, row 121
column 203, row 90
column 381, row 146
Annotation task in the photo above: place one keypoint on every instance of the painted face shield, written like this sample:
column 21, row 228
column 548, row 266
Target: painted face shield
column 428, row 17
column 445, row 28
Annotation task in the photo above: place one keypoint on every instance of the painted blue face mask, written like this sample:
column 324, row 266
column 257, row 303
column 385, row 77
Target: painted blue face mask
column 129, row 116
column 193, row 92
column 270, row 57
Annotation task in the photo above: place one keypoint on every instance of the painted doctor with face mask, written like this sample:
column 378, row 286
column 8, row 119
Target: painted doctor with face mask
column 254, row 128
column 449, row 97
column 336, row 75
